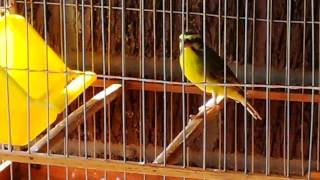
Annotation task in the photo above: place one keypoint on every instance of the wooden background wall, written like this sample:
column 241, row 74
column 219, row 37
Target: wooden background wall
column 154, row 116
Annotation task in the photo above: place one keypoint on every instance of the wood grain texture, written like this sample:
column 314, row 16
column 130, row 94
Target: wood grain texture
column 129, row 167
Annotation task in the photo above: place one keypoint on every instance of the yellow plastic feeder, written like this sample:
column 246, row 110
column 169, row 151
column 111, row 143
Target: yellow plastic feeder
column 22, row 48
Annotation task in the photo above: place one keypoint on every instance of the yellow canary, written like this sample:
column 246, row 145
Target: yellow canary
column 192, row 63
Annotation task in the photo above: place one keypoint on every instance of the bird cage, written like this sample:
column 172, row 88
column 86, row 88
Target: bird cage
column 159, row 89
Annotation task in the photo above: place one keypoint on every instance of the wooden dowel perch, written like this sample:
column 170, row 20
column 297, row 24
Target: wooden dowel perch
column 74, row 118
column 253, row 94
column 191, row 131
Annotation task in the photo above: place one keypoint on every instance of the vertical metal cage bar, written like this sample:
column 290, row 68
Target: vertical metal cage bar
column 85, row 133
column 312, row 90
column 236, row 105
column 318, row 128
column 205, row 87
column 140, row 91
column 183, row 87
column 7, row 87
column 224, row 87
column 302, row 83
column 245, row 89
column 7, row 79
column 109, row 73
column 61, row 28
column 103, row 48
column 77, row 38
column 269, row 77
column 164, row 79
column 28, row 76
column 143, row 76
column 252, row 82
column 268, row 64
column 187, row 14
column 47, row 81
column 28, row 86
column 93, row 69
column 123, row 53
column 65, row 60
column 188, row 95
column 155, row 76
column 284, row 140
column 64, row 49
column 83, row 68
column 288, row 49
column 219, row 53
column 78, row 66
column 187, row 158
column 171, row 70
column 31, row 12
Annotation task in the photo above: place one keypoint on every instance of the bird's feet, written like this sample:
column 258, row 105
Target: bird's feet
column 201, row 108
column 192, row 116
column 209, row 104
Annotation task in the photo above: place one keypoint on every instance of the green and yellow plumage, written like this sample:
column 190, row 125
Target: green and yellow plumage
column 191, row 61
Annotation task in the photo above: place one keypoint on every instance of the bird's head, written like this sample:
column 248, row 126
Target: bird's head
column 189, row 39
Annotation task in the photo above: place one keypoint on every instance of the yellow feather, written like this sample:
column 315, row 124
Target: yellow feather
column 192, row 66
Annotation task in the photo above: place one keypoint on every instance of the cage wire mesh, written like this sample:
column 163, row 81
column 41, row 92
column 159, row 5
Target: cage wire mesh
column 272, row 47
column 3, row 4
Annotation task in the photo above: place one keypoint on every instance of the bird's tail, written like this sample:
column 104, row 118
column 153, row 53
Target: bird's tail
column 251, row 110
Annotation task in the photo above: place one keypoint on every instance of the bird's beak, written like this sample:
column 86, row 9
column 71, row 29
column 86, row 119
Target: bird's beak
column 181, row 37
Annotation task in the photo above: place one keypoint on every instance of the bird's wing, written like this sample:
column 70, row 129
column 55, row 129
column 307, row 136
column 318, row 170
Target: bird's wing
column 215, row 69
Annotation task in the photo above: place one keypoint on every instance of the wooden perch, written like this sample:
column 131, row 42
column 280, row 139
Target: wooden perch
column 253, row 94
column 74, row 119
column 191, row 131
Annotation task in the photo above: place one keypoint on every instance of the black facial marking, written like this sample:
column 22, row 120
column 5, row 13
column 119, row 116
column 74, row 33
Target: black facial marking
column 189, row 42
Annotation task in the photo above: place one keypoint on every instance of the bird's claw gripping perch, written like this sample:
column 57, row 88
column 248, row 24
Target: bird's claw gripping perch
column 191, row 116
column 212, row 102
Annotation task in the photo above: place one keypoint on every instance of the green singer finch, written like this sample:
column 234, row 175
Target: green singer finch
column 192, row 63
